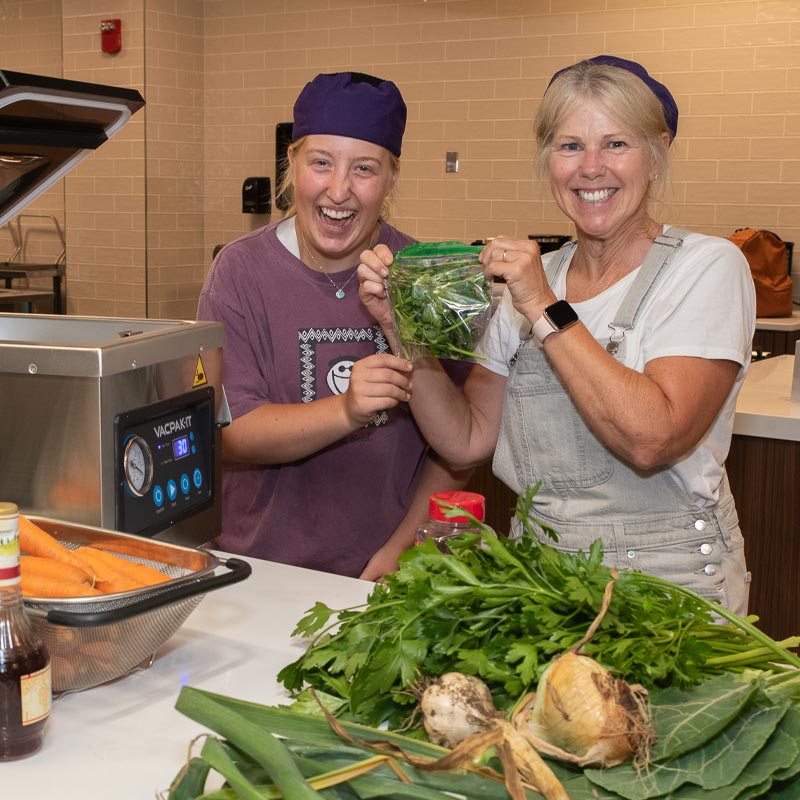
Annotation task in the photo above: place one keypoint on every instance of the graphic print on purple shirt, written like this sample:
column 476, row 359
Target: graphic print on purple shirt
column 335, row 372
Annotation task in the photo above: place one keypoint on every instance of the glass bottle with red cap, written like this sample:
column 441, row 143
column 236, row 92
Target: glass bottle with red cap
column 442, row 526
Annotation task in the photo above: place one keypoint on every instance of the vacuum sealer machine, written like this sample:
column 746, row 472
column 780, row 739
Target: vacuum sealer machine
column 108, row 422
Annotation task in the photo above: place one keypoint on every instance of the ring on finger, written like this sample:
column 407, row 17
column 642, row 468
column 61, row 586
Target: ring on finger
column 504, row 254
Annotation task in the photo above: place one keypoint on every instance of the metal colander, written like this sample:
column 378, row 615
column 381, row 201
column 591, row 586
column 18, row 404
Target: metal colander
column 92, row 640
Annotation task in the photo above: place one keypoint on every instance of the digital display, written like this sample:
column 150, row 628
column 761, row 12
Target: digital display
column 180, row 446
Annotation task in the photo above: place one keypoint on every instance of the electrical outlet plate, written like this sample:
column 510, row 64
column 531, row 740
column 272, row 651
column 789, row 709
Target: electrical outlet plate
column 451, row 161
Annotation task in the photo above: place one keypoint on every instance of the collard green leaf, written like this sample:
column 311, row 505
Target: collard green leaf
column 717, row 764
column 777, row 754
column 685, row 720
column 579, row 787
column 785, row 790
column 790, row 726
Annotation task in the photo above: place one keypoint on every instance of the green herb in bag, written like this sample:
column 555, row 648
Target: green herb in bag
column 440, row 299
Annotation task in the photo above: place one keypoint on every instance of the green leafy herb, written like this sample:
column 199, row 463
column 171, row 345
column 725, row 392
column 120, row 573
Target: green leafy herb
column 440, row 299
column 502, row 610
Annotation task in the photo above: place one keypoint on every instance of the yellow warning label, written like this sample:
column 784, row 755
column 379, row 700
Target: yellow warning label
column 199, row 374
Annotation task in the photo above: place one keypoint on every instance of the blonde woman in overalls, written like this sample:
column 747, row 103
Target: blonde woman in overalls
column 612, row 365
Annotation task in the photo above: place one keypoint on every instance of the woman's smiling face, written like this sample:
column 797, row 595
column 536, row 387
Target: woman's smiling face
column 599, row 172
column 340, row 185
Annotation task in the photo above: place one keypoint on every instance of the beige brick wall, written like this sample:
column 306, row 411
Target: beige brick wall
column 174, row 92
column 144, row 213
column 473, row 72
column 105, row 194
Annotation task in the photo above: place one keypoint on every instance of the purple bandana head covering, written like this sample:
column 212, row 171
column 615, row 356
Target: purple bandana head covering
column 352, row 104
column 663, row 94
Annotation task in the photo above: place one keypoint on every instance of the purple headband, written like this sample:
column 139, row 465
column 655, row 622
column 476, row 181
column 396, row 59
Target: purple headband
column 352, row 104
column 663, row 94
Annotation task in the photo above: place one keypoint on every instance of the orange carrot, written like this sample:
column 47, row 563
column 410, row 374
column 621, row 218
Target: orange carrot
column 50, row 568
column 114, row 586
column 37, row 586
column 141, row 573
column 106, row 572
column 37, row 542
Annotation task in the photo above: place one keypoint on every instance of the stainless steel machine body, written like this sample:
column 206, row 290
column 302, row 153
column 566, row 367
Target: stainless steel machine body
column 113, row 422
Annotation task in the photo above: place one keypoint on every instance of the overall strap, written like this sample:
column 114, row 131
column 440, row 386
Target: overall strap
column 653, row 268
column 559, row 261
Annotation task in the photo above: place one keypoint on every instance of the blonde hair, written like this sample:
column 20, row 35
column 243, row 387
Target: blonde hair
column 286, row 188
column 622, row 94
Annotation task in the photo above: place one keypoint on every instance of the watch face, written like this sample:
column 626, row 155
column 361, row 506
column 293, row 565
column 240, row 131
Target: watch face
column 561, row 314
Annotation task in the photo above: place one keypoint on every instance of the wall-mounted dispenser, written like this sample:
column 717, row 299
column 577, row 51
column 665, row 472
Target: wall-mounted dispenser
column 256, row 196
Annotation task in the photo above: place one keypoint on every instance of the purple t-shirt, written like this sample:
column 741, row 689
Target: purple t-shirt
column 289, row 339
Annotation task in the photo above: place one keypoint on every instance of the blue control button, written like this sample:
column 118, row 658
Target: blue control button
column 158, row 495
column 172, row 489
column 197, row 477
column 191, row 436
column 185, row 486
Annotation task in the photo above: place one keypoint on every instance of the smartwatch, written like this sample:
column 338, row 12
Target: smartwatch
column 556, row 317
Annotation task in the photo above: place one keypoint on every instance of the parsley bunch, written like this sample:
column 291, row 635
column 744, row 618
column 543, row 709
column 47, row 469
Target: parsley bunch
column 502, row 610
column 440, row 299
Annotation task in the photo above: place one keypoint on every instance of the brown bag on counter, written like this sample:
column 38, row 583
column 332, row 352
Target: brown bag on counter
column 767, row 255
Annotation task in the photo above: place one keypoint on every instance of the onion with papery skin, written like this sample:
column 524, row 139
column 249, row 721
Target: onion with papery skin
column 584, row 715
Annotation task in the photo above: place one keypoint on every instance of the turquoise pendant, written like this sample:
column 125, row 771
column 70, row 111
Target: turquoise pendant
column 340, row 293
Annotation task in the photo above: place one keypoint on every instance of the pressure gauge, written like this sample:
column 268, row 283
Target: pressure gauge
column 138, row 465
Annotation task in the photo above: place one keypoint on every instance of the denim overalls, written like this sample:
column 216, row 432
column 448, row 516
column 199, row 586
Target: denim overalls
column 646, row 520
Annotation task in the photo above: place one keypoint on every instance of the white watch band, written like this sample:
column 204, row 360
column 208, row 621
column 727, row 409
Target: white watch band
column 542, row 328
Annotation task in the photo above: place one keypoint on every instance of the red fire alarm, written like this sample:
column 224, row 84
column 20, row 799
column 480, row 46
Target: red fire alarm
column 111, row 35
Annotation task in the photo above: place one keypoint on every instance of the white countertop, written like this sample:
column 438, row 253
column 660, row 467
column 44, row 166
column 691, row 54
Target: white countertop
column 764, row 407
column 125, row 740
column 783, row 324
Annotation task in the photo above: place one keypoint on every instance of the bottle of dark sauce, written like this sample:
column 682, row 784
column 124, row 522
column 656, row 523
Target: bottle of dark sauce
column 25, row 688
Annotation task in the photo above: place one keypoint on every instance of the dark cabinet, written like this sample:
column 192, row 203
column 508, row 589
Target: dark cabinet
column 765, row 480
column 775, row 343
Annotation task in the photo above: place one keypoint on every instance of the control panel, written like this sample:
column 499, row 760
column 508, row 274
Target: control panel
column 164, row 462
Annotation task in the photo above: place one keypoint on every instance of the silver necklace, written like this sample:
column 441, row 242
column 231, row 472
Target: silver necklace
column 339, row 289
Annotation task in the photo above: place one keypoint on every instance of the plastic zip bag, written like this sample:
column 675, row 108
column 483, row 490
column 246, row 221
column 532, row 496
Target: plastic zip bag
column 440, row 300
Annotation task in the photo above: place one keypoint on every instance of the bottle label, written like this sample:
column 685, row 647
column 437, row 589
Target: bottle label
column 36, row 696
column 9, row 550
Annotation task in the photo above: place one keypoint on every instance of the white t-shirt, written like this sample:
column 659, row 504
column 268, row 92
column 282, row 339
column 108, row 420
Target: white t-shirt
column 703, row 307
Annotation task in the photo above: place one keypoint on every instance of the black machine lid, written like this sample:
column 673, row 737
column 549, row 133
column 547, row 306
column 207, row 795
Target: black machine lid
column 47, row 126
